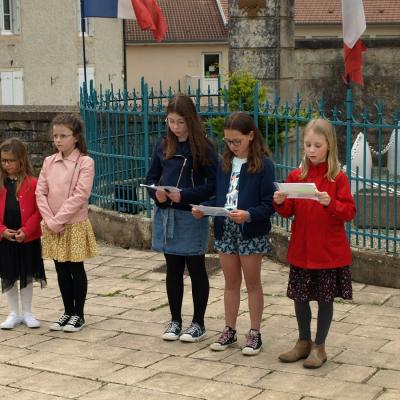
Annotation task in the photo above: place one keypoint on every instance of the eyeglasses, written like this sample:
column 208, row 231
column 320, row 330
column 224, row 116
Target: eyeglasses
column 234, row 142
column 6, row 161
column 179, row 122
column 61, row 137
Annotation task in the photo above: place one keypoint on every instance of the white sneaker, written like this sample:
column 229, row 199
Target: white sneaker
column 11, row 322
column 30, row 321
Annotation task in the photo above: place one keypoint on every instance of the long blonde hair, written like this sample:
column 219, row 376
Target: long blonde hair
column 322, row 127
column 18, row 149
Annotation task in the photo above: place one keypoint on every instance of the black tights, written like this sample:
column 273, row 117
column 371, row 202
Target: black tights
column 303, row 315
column 174, row 283
column 72, row 281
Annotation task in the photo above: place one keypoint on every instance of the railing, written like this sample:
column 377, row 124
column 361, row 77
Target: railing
column 122, row 127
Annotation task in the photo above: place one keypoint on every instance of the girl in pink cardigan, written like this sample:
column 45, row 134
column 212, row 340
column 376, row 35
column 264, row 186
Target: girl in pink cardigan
column 63, row 190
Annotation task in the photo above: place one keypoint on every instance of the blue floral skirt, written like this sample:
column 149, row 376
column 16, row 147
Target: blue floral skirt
column 232, row 241
column 319, row 284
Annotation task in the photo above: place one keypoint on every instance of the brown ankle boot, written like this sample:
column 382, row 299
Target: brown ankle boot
column 316, row 357
column 300, row 350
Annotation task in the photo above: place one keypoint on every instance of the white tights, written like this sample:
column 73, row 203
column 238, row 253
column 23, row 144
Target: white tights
column 26, row 299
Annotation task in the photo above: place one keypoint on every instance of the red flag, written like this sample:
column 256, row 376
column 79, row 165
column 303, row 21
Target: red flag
column 353, row 27
column 149, row 16
column 353, row 63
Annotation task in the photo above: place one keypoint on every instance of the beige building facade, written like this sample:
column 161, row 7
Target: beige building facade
column 41, row 61
column 191, row 64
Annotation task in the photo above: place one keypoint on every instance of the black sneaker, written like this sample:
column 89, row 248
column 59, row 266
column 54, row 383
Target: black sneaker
column 74, row 324
column 226, row 339
column 59, row 325
column 253, row 343
column 173, row 330
column 194, row 333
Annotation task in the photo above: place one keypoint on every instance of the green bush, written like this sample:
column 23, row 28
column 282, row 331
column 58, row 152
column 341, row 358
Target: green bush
column 240, row 97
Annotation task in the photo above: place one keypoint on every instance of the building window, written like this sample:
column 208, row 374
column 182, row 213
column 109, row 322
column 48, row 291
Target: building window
column 211, row 63
column 12, row 89
column 9, row 17
column 88, row 23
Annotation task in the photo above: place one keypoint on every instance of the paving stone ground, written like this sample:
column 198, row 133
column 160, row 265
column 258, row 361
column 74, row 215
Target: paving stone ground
column 119, row 354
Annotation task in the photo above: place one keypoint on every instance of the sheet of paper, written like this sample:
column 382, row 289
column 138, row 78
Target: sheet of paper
column 298, row 190
column 212, row 211
column 167, row 189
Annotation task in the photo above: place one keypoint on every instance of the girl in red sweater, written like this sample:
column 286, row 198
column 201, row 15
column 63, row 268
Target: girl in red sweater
column 319, row 252
column 20, row 250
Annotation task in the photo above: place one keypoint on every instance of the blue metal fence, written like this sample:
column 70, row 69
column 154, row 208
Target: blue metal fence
column 122, row 127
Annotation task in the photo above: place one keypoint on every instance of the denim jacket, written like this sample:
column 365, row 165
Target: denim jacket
column 197, row 186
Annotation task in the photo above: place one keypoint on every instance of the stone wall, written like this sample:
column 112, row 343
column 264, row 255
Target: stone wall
column 31, row 125
column 320, row 65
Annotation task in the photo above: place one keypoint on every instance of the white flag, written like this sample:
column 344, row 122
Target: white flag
column 353, row 18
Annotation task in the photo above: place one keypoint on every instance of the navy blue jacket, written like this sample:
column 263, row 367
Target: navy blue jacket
column 197, row 186
column 255, row 196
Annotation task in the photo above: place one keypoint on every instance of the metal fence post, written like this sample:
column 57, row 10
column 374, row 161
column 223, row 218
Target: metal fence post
column 349, row 125
column 145, row 127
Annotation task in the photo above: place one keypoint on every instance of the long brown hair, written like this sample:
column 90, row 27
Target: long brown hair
column 244, row 123
column 75, row 124
column 198, row 141
column 18, row 150
column 322, row 127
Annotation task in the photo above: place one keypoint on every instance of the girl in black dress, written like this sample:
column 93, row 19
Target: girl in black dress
column 20, row 249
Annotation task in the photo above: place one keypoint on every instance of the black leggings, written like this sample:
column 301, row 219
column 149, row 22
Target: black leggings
column 72, row 281
column 303, row 315
column 174, row 283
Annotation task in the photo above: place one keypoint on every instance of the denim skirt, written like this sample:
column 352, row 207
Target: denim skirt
column 178, row 232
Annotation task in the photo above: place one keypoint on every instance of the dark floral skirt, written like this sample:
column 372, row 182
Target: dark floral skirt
column 319, row 284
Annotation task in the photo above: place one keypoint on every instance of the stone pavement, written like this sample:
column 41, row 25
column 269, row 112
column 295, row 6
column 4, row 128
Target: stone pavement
column 119, row 354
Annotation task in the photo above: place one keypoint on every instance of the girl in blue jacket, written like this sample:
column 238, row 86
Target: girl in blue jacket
column 245, row 185
column 185, row 159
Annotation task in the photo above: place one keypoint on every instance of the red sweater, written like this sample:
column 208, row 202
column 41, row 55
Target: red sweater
column 30, row 216
column 318, row 238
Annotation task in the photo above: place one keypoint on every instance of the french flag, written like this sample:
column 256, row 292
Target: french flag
column 147, row 13
column 354, row 25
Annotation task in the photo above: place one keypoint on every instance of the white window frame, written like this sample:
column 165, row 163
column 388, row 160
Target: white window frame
column 13, row 16
column 89, row 22
column 90, row 75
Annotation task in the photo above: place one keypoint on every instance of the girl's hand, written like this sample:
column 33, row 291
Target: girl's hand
column 9, row 234
column 20, row 236
column 197, row 213
column 279, row 197
column 175, row 196
column 239, row 216
column 323, row 198
column 161, row 196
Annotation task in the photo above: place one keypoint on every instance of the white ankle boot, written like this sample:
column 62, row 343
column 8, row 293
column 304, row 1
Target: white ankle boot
column 30, row 321
column 11, row 322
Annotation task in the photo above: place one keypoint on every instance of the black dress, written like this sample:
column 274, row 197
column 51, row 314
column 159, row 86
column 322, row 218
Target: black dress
column 18, row 261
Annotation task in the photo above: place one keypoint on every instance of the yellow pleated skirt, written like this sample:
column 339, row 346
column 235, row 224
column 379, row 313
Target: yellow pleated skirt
column 77, row 243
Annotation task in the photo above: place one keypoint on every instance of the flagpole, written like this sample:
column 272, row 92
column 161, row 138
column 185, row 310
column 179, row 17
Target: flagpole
column 124, row 53
column 83, row 42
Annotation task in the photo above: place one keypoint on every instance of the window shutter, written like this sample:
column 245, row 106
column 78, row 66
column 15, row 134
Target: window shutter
column 16, row 16
column 6, row 88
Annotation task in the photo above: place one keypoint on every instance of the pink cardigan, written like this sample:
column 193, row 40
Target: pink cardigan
column 64, row 188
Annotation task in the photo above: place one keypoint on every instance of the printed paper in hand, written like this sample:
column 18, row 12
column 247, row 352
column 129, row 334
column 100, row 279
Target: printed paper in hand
column 298, row 190
column 212, row 211
column 166, row 189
